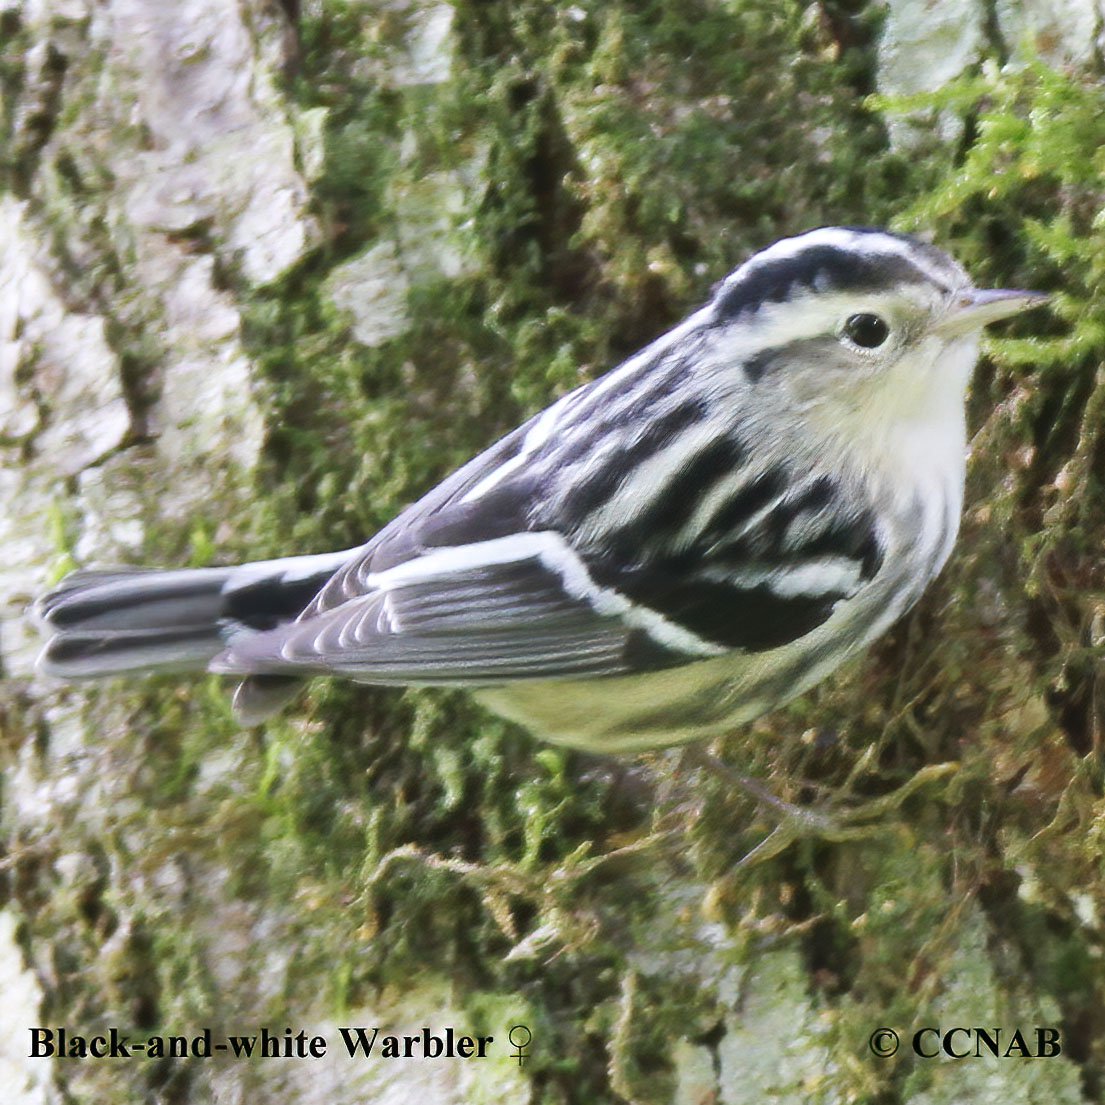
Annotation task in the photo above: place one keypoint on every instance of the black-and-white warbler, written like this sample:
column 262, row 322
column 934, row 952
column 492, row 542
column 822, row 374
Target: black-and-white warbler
column 661, row 555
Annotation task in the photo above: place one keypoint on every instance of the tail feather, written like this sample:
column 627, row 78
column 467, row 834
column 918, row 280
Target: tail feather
column 138, row 599
column 104, row 623
column 260, row 696
column 80, row 655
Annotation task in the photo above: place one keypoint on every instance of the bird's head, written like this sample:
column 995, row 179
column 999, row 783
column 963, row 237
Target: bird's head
column 861, row 332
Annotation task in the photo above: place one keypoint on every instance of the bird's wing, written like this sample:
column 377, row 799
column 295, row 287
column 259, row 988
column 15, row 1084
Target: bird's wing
column 479, row 589
column 502, row 609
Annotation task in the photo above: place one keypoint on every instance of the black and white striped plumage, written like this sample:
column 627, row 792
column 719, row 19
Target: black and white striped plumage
column 662, row 554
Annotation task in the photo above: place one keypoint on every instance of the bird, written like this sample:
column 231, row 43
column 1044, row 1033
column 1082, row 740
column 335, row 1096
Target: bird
column 661, row 556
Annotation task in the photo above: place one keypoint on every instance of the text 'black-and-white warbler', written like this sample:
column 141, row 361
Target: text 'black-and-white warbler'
column 661, row 555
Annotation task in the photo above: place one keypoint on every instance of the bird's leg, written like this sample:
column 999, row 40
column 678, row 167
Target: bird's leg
column 800, row 822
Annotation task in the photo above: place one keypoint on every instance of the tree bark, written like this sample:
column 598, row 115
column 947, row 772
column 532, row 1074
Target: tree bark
column 267, row 271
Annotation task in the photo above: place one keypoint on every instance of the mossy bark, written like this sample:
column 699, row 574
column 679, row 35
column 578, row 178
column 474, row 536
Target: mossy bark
column 267, row 272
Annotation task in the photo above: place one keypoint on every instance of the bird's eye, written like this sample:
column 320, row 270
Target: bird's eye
column 866, row 331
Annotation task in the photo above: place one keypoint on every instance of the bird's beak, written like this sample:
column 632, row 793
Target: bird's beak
column 975, row 308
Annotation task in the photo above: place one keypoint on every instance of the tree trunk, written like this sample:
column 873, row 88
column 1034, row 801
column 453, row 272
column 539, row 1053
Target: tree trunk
column 267, row 272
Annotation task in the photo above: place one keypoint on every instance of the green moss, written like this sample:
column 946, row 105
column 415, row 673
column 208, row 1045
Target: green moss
column 615, row 160
column 605, row 203
column 14, row 42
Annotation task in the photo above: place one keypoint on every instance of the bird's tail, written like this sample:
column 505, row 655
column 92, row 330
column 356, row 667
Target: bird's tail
column 106, row 622
column 129, row 620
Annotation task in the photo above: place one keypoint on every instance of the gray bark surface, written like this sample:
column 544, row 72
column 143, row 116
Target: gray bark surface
column 269, row 271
